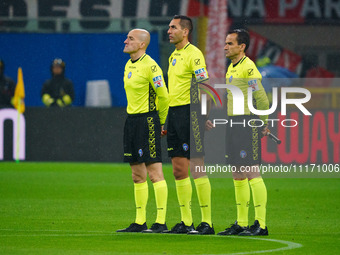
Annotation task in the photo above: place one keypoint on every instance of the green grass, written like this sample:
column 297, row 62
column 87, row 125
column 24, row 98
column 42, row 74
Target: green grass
column 75, row 208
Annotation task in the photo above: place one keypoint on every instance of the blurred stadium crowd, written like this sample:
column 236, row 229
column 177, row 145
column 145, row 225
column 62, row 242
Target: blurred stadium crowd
column 289, row 38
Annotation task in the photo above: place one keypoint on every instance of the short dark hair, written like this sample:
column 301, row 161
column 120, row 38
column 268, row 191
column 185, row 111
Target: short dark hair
column 185, row 22
column 242, row 37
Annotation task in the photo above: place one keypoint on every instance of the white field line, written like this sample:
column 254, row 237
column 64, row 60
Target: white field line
column 72, row 233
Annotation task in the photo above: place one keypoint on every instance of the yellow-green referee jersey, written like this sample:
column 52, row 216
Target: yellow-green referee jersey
column 244, row 74
column 145, row 87
column 184, row 64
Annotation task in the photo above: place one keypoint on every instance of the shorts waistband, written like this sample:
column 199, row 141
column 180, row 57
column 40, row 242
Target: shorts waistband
column 141, row 114
column 179, row 106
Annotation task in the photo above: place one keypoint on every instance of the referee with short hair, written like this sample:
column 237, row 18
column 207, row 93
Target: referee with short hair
column 244, row 142
column 147, row 109
column 187, row 69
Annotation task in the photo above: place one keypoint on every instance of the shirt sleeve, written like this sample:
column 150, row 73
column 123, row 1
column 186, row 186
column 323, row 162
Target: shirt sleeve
column 254, row 81
column 197, row 63
column 157, row 80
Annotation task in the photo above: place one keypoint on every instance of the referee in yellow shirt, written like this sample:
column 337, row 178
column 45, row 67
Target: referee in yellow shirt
column 147, row 109
column 187, row 69
column 244, row 142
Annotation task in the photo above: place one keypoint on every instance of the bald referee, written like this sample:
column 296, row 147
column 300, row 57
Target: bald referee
column 187, row 69
column 147, row 109
column 244, row 142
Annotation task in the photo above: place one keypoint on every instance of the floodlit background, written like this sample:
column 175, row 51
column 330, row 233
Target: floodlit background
column 289, row 39
column 70, row 192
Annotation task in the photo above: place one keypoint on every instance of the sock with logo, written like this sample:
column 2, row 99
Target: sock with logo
column 259, row 192
column 184, row 193
column 203, row 189
column 141, row 199
column 161, row 195
column 242, row 196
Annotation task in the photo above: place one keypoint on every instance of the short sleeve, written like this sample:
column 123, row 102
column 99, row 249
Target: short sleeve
column 156, row 76
column 253, row 77
column 198, row 66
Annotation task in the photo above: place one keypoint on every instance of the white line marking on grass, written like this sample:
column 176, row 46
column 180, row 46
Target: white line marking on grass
column 72, row 233
column 290, row 245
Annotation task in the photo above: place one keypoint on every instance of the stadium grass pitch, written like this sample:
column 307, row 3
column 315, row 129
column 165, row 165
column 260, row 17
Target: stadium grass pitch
column 75, row 208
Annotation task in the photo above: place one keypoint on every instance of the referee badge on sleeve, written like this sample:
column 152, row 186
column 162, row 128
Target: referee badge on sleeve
column 201, row 74
column 253, row 84
column 158, row 81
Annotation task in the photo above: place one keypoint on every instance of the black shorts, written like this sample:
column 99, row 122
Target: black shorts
column 243, row 144
column 142, row 138
column 185, row 135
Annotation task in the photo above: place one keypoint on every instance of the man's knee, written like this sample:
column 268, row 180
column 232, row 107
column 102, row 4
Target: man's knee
column 180, row 168
column 155, row 172
column 138, row 173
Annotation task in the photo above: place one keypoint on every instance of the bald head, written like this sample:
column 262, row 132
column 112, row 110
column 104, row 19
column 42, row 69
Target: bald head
column 137, row 42
column 142, row 35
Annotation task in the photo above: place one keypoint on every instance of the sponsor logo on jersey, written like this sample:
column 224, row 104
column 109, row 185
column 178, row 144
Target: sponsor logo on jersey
column 197, row 61
column 174, row 62
column 157, row 81
column 201, row 74
column 253, row 84
column 140, row 152
column 185, row 147
column 154, row 68
column 230, row 78
column 250, row 71
column 129, row 75
column 243, row 154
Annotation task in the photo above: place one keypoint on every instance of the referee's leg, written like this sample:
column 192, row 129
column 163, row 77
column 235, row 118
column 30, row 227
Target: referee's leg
column 161, row 194
column 141, row 192
column 203, row 188
column 139, row 174
column 259, row 194
column 180, row 167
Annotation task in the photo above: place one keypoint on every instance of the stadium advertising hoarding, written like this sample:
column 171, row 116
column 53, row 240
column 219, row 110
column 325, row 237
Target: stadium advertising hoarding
column 316, row 138
column 17, row 133
column 308, row 135
column 264, row 11
column 315, row 141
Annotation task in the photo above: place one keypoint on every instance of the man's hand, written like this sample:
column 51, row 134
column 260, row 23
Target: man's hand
column 60, row 103
column 47, row 100
column 265, row 131
column 163, row 132
column 209, row 125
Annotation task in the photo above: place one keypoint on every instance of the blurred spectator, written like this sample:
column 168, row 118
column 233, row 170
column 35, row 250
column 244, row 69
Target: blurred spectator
column 7, row 87
column 57, row 91
column 268, row 70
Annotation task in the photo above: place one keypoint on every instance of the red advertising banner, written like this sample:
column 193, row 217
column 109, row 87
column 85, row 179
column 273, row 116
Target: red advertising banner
column 316, row 139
